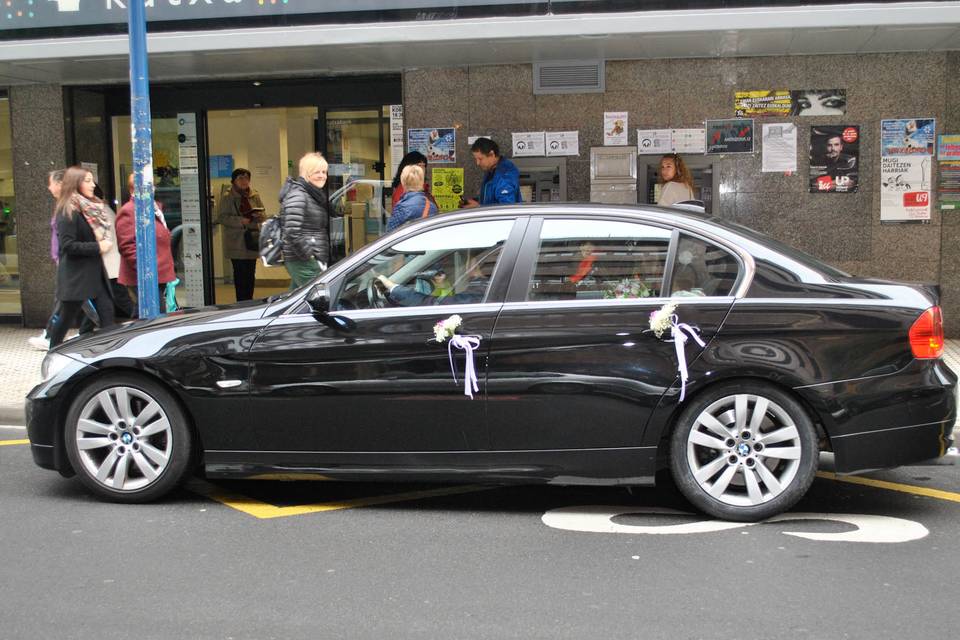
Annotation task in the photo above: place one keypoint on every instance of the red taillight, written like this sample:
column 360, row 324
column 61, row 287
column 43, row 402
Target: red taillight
column 926, row 334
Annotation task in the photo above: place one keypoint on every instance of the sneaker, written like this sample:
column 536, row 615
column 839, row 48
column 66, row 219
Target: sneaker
column 40, row 342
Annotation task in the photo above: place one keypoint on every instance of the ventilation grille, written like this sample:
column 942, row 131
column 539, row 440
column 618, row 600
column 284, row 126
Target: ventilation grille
column 568, row 77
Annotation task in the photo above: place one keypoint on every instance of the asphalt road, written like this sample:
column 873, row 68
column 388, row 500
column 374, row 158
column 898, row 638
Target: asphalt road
column 329, row 560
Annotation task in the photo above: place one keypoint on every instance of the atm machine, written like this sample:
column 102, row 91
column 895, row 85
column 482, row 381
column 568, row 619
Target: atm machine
column 706, row 178
column 542, row 179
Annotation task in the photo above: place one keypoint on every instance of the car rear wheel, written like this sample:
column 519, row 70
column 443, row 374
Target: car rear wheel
column 744, row 451
column 128, row 439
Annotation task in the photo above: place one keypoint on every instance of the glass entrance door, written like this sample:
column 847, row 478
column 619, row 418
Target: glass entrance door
column 268, row 143
column 358, row 142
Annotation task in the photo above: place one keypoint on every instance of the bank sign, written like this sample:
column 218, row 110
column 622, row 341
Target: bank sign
column 31, row 14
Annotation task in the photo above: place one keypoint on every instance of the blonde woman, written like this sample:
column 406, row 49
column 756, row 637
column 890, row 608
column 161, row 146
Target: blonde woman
column 414, row 203
column 306, row 221
column 675, row 180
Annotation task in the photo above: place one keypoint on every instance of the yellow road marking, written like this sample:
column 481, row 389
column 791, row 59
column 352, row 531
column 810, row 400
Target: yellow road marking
column 892, row 486
column 7, row 443
column 263, row 510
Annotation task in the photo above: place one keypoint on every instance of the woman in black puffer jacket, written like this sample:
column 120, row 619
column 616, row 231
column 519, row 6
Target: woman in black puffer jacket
column 306, row 221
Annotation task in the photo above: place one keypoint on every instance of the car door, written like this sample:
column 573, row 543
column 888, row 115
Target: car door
column 370, row 378
column 574, row 364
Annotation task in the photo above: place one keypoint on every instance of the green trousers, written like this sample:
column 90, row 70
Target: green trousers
column 301, row 271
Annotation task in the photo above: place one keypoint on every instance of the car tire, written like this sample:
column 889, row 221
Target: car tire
column 743, row 451
column 128, row 439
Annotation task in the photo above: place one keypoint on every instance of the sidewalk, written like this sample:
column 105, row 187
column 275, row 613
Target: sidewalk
column 21, row 369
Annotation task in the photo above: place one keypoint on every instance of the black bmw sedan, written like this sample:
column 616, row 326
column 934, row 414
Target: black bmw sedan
column 566, row 344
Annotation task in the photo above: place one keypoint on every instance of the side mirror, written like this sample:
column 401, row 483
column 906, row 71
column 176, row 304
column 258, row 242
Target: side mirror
column 319, row 299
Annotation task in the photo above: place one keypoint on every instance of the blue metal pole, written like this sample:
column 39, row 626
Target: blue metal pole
column 147, row 285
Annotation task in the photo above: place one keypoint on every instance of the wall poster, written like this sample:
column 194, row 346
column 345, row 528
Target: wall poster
column 907, row 137
column 447, row 188
column 780, row 103
column 654, row 141
column 759, row 104
column 615, row 130
column 729, row 136
column 779, row 153
column 949, row 185
column 563, row 143
column 905, row 188
column 396, row 137
column 528, row 143
column 835, row 159
column 438, row 145
column 689, row 140
column 949, row 148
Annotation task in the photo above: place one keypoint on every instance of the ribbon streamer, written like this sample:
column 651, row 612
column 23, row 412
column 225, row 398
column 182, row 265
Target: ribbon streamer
column 467, row 344
column 680, row 331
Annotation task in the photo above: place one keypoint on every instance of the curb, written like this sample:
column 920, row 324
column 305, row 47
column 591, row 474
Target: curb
column 12, row 413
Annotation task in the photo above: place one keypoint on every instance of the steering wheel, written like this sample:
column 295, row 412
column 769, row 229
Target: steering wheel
column 375, row 296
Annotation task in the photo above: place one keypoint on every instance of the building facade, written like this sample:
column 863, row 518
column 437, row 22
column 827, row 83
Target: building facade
column 259, row 89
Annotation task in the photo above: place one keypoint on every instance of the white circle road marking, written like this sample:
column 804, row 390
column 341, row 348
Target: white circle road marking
column 599, row 519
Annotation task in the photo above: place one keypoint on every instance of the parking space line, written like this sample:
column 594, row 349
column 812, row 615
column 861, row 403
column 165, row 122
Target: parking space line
column 892, row 486
column 263, row 510
column 7, row 443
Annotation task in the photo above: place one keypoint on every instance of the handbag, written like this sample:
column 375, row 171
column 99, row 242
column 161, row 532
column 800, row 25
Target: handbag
column 426, row 207
column 271, row 241
column 251, row 239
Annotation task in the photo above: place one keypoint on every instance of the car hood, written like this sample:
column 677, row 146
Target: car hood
column 161, row 330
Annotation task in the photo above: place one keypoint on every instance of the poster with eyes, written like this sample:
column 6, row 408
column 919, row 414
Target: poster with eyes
column 834, row 159
column 781, row 103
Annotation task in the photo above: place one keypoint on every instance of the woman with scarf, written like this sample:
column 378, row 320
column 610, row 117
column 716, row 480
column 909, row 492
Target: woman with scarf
column 306, row 221
column 240, row 211
column 86, row 241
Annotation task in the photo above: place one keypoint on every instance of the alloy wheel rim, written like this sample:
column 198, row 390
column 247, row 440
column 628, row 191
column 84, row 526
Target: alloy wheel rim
column 124, row 439
column 744, row 450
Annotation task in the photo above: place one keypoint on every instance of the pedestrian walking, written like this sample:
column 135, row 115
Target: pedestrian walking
column 412, row 158
column 127, row 239
column 85, row 235
column 54, row 180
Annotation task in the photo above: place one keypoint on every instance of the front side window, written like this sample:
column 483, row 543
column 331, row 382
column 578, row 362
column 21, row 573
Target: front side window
column 702, row 269
column 450, row 265
column 599, row 259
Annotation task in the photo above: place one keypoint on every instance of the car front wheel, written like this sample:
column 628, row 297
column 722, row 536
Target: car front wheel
column 128, row 439
column 744, row 451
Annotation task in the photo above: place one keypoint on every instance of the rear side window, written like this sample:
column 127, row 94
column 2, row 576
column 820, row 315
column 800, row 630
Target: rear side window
column 702, row 269
column 599, row 259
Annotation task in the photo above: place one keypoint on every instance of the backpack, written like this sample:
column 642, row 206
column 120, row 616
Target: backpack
column 271, row 241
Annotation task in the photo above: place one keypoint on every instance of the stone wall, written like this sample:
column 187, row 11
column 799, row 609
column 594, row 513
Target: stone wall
column 843, row 229
column 37, row 137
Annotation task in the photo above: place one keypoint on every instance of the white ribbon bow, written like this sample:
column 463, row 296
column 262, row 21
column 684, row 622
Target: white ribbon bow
column 467, row 344
column 680, row 331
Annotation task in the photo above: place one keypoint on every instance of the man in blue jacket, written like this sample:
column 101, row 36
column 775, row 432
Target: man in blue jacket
column 501, row 178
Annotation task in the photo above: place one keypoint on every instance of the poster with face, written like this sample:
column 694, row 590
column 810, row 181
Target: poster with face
column 818, row 102
column 834, row 159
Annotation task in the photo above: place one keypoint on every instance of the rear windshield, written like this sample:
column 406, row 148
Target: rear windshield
column 803, row 258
